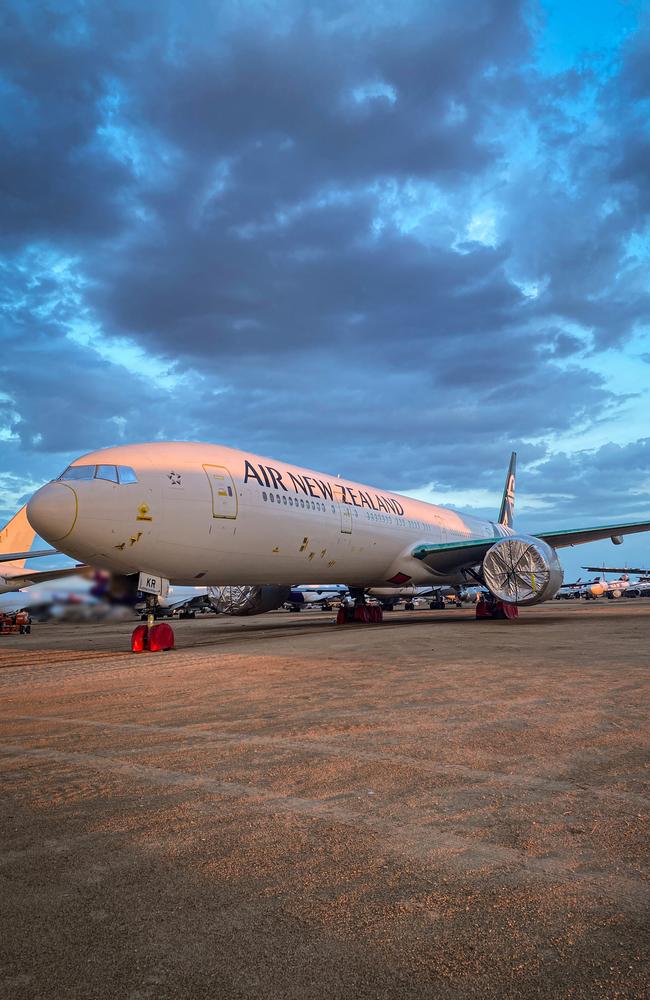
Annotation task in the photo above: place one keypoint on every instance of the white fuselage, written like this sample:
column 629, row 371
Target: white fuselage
column 613, row 587
column 202, row 514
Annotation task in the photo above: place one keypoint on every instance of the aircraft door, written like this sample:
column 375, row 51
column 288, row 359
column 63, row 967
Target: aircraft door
column 442, row 528
column 346, row 519
column 224, row 494
column 345, row 511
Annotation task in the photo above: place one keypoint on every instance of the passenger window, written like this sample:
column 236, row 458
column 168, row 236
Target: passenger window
column 284, row 500
column 271, row 498
column 126, row 474
column 78, row 472
column 263, row 496
column 108, row 472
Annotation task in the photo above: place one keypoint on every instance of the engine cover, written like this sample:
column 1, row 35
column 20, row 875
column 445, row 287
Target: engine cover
column 522, row 570
column 247, row 600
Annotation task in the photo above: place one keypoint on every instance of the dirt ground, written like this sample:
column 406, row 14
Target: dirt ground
column 435, row 807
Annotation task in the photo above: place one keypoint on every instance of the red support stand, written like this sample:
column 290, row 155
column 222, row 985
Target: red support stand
column 362, row 614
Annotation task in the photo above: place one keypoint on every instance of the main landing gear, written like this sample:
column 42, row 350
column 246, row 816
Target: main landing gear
column 359, row 613
column 489, row 606
column 151, row 637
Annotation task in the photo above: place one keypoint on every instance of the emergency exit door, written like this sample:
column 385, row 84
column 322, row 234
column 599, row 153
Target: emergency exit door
column 224, row 494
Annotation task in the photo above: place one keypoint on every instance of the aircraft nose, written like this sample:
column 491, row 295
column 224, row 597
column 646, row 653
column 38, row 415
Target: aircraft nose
column 52, row 511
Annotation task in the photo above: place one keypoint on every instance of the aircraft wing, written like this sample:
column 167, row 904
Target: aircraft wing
column 571, row 536
column 36, row 554
column 196, row 602
column 616, row 569
column 448, row 556
column 20, row 580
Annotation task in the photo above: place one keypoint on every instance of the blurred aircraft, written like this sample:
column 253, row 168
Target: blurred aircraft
column 181, row 602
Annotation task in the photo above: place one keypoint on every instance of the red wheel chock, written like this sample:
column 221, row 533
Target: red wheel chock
column 156, row 639
column 139, row 639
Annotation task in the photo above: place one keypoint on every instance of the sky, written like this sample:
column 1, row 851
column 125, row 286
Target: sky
column 387, row 241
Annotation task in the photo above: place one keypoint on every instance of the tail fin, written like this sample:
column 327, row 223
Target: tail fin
column 17, row 536
column 507, row 512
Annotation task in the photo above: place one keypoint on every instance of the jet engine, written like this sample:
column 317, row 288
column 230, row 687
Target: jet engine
column 247, row 600
column 520, row 569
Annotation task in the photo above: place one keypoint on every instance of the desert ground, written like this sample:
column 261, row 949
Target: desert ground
column 283, row 808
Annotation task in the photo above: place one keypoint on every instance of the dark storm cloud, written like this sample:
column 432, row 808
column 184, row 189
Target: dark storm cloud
column 232, row 191
column 614, row 478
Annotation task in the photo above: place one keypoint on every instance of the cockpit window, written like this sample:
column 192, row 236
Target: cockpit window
column 112, row 473
column 126, row 474
column 106, row 472
column 78, row 472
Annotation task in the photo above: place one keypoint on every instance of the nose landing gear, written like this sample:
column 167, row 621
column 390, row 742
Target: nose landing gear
column 155, row 638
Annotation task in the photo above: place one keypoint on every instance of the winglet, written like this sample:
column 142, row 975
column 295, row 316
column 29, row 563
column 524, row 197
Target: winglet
column 507, row 512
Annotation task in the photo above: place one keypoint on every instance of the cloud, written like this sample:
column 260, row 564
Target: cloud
column 380, row 241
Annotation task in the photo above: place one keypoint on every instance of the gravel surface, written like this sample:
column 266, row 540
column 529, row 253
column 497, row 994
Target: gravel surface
column 281, row 808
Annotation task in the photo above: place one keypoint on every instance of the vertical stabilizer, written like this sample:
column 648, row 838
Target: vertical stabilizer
column 507, row 512
column 17, row 536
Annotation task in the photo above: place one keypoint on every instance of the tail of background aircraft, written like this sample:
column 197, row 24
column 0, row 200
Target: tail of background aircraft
column 507, row 512
column 16, row 536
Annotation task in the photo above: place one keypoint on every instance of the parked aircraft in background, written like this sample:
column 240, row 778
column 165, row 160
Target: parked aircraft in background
column 323, row 595
column 570, row 591
column 15, row 540
column 183, row 602
column 602, row 587
column 622, row 585
column 207, row 515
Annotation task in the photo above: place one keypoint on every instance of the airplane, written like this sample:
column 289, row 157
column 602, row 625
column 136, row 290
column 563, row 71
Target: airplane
column 323, row 595
column 181, row 602
column 601, row 586
column 570, row 591
column 388, row 597
column 18, row 534
column 233, row 600
column 208, row 515
column 623, row 585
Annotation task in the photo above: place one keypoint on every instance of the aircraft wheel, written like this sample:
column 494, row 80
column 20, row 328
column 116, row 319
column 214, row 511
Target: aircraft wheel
column 409, row 606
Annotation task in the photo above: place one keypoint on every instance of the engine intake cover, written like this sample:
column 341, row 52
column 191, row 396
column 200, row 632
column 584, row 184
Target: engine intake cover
column 247, row 600
column 522, row 570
